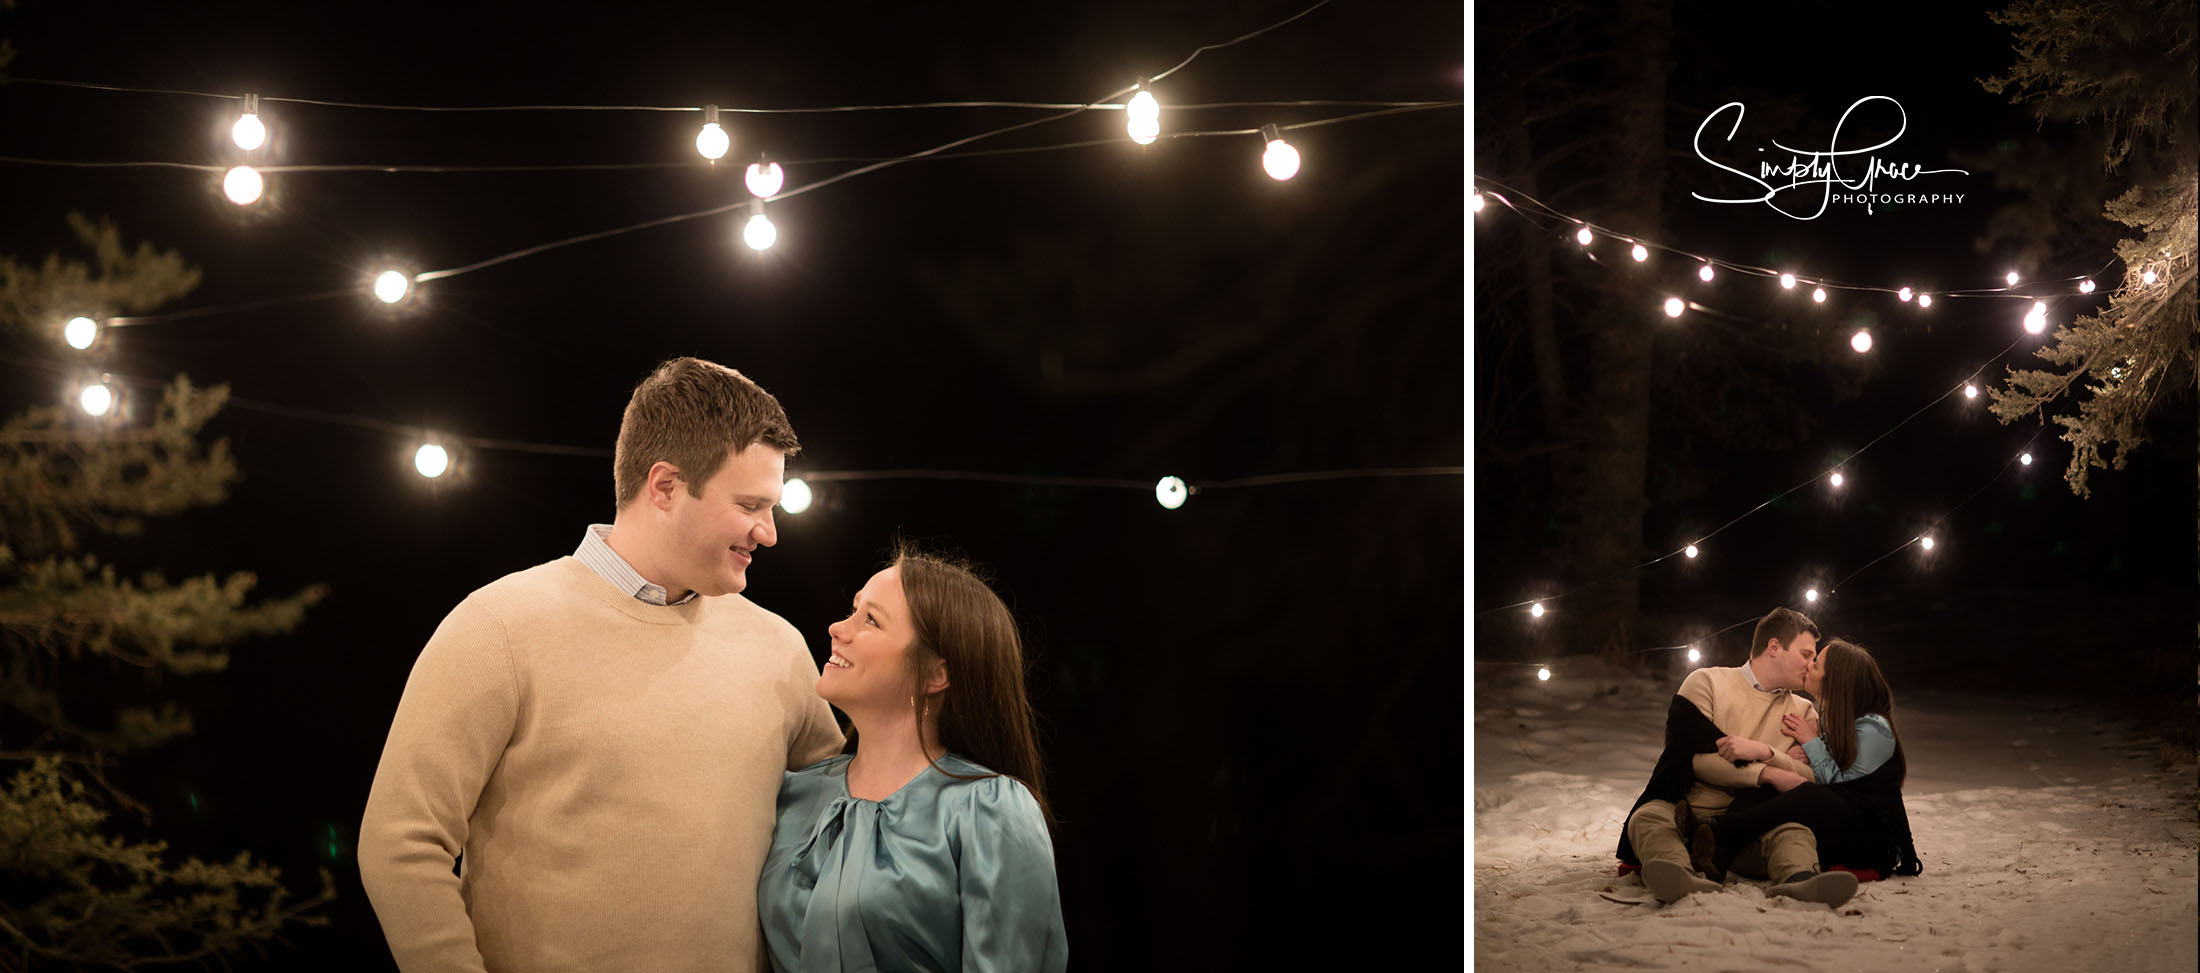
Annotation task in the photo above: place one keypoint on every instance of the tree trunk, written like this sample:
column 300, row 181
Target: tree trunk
column 1536, row 275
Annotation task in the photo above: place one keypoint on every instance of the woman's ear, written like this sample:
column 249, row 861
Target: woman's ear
column 935, row 677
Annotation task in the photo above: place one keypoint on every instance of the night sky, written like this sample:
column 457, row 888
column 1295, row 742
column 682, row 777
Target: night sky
column 1242, row 701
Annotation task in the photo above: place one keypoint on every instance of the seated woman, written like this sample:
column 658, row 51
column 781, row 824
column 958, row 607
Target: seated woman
column 1857, row 812
column 928, row 847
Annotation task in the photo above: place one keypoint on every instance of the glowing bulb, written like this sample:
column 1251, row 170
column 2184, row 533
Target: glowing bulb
column 1703, row 273
column 2085, row 287
column 80, row 332
column 1970, row 391
column 1838, row 479
column 1690, row 550
column 1536, row 610
column 1584, row 236
column 2026, row 459
column 96, row 399
column 1476, row 203
column 1924, row 300
column 1787, row 282
column 2036, row 321
column 794, row 497
column 1144, row 130
column 1818, row 295
column 1542, row 674
column 2147, row 277
column 431, row 461
column 1674, row 306
column 2012, row 278
column 249, row 133
column 1170, row 492
column 1861, row 341
column 243, row 185
column 1693, row 655
column 390, row 286
column 1811, row 595
column 759, row 233
column 1144, row 121
column 1640, row 253
column 712, row 141
column 1904, row 294
column 1281, row 160
column 1143, row 105
column 1926, row 542
column 764, row 179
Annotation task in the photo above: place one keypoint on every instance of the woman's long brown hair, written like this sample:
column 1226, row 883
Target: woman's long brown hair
column 985, row 713
column 1853, row 686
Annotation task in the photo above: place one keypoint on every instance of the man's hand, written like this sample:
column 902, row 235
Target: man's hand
column 1781, row 780
column 1744, row 749
column 1802, row 728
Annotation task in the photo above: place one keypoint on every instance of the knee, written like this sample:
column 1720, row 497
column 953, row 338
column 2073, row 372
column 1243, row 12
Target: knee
column 1653, row 814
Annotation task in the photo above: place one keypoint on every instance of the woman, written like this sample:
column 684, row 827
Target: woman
column 1855, row 806
column 925, row 845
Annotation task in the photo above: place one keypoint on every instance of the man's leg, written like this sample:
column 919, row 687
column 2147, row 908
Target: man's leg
column 1664, row 856
column 1790, row 854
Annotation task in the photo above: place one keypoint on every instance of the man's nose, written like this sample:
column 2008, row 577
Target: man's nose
column 766, row 533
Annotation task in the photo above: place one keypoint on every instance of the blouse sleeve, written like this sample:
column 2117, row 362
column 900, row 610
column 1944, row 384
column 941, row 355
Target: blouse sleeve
column 1011, row 908
column 1874, row 744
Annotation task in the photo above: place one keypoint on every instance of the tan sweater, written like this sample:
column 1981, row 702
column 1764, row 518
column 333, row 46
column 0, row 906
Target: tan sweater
column 1740, row 709
column 610, row 768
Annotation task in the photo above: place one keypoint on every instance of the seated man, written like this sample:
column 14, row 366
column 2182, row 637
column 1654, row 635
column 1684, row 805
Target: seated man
column 1692, row 779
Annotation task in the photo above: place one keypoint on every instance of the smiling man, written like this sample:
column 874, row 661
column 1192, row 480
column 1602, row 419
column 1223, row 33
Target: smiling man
column 583, row 771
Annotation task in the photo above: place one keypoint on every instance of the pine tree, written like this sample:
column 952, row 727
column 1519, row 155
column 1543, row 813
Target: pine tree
column 73, row 892
column 2129, row 68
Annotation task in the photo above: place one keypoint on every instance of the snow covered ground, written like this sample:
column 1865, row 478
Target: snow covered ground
column 2050, row 839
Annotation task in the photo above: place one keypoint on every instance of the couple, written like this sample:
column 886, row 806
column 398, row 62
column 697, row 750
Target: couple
column 1749, row 784
column 614, row 761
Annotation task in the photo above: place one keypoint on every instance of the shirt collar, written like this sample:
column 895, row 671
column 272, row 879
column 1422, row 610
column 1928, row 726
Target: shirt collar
column 595, row 551
column 1747, row 670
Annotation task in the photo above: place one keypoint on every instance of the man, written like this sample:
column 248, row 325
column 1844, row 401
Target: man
column 602, row 736
column 1722, row 731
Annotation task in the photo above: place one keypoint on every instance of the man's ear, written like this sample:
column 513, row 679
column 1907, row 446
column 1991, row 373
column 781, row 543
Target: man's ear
column 663, row 483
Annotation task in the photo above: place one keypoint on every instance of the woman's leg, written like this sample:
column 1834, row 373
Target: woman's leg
column 1809, row 805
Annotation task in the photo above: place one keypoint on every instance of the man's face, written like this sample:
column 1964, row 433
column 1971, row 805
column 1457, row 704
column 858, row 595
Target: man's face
column 715, row 536
column 1789, row 666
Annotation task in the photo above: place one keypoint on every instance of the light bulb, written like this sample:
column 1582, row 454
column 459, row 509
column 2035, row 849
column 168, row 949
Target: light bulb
column 1584, row 236
column 1926, row 542
column 1542, row 674
column 794, row 497
column 1693, row 655
column 2012, row 278
column 1970, row 391
column 96, row 399
column 1861, row 341
column 2026, row 459
column 1674, row 306
column 1476, row 203
column 80, row 332
column 249, row 133
column 1787, row 282
column 1536, row 610
column 1281, row 160
column 759, row 233
column 1144, row 118
column 390, row 286
column 2085, row 287
column 1690, row 550
column 1924, row 300
column 431, row 461
column 1703, row 273
column 712, row 141
column 1904, row 294
column 1143, row 105
column 243, row 185
column 1838, row 479
column 1810, row 595
column 1144, row 130
column 1170, row 492
column 1818, row 295
column 2147, row 277
column 2036, row 321
column 765, row 179
column 1640, row 253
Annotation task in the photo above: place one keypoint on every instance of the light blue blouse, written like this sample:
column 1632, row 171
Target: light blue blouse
column 943, row 874
column 1874, row 744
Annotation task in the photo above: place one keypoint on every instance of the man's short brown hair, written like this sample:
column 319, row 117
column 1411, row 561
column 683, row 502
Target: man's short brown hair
column 1783, row 624
column 693, row 414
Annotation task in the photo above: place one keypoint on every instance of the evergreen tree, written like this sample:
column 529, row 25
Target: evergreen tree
column 73, row 891
column 2128, row 68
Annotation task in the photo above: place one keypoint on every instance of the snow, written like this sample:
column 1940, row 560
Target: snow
column 2050, row 837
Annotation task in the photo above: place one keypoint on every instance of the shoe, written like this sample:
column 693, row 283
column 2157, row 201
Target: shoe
column 1831, row 888
column 1672, row 881
column 1703, row 851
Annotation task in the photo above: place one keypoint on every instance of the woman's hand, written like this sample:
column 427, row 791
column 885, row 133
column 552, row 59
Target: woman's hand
column 1781, row 780
column 1802, row 728
column 1799, row 755
column 1744, row 749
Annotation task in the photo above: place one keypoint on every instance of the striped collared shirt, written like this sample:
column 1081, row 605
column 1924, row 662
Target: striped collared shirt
column 595, row 551
column 1747, row 670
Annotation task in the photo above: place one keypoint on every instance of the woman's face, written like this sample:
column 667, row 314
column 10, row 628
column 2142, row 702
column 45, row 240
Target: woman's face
column 869, row 665
column 1815, row 679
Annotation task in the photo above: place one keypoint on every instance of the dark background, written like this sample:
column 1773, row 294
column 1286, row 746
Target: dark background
column 2029, row 587
column 1248, row 704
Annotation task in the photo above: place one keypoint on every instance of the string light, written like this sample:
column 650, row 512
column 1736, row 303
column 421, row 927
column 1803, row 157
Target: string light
column 1704, row 274
column 764, row 178
column 1924, row 300
column 1818, row 295
column 2147, row 277
column 2036, row 321
column 1811, row 595
column 1693, row 655
column 1543, row 674
column 391, row 286
column 1838, row 479
column 2026, row 459
column 758, row 232
column 96, row 398
column 794, row 497
column 1787, row 282
column 249, row 132
column 80, row 332
column 2085, row 286
column 1143, row 116
column 1640, row 253
column 1970, row 391
column 1674, row 306
column 1280, row 159
column 243, row 185
column 1170, row 492
column 1904, row 294
column 1925, row 542
column 2011, row 278
column 1536, row 610
column 1690, row 551
column 1475, row 202
column 431, row 461
column 712, row 141
column 1861, row 341
column 1584, row 236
